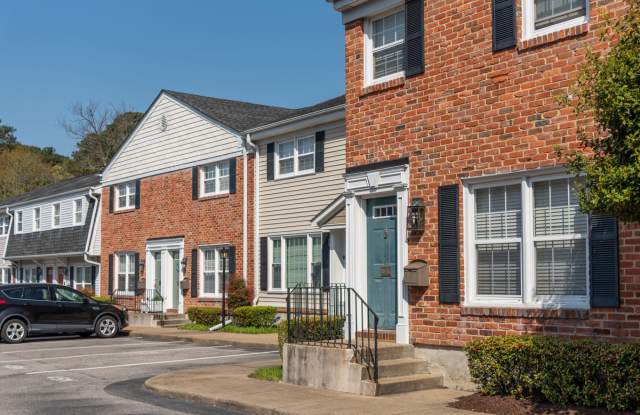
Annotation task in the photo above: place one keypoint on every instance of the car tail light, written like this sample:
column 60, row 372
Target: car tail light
column 3, row 301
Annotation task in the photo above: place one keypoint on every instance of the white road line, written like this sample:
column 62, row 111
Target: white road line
column 111, row 354
column 163, row 362
column 90, row 347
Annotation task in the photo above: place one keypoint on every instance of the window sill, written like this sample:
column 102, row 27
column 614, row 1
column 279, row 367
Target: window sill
column 553, row 37
column 213, row 197
column 529, row 313
column 209, row 299
column 121, row 211
column 292, row 176
column 382, row 86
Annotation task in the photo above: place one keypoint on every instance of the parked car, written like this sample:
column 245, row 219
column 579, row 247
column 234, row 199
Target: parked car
column 32, row 309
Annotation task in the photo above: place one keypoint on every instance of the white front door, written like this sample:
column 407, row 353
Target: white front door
column 164, row 272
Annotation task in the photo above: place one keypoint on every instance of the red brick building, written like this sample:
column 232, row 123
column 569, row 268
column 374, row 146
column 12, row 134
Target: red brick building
column 453, row 105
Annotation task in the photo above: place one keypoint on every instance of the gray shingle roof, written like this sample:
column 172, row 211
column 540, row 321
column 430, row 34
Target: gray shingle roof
column 64, row 186
column 71, row 239
column 242, row 116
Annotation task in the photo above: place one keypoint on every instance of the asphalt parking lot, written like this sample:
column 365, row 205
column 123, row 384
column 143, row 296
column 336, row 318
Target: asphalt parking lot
column 94, row 376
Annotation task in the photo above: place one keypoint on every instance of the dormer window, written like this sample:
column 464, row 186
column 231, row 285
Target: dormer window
column 19, row 221
column 385, row 47
column 56, row 215
column 77, row 212
column 36, row 219
column 4, row 225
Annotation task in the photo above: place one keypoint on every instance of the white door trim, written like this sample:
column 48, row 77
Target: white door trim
column 165, row 246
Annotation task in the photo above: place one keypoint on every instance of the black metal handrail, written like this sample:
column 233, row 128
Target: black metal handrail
column 143, row 300
column 334, row 316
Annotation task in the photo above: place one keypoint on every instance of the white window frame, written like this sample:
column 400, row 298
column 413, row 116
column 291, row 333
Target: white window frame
column 4, row 225
column 86, row 272
column 129, row 272
column 369, row 71
column 77, row 211
column 4, row 275
column 528, row 297
column 296, row 155
column 217, row 271
column 55, row 216
column 19, row 227
column 130, row 190
column 529, row 21
column 37, row 218
column 216, row 179
column 283, row 259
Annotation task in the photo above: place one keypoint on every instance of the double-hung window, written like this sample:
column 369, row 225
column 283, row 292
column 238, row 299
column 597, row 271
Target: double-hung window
column 77, row 211
column 546, row 16
column 296, row 156
column 385, row 47
column 4, row 225
column 55, row 220
column 82, row 280
column 19, row 221
column 295, row 260
column 126, row 195
column 126, row 272
column 36, row 219
column 526, row 244
column 215, row 179
column 211, row 275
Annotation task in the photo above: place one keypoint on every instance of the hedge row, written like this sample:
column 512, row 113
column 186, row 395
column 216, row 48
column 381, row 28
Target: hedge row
column 205, row 315
column 312, row 329
column 248, row 316
column 577, row 372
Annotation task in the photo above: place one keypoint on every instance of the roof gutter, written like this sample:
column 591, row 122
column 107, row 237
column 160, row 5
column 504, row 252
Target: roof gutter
column 296, row 119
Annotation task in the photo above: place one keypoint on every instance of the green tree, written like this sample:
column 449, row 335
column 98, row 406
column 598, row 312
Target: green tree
column 608, row 88
column 7, row 136
column 23, row 170
column 100, row 133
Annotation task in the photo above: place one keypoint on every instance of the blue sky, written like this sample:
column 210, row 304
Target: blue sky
column 57, row 53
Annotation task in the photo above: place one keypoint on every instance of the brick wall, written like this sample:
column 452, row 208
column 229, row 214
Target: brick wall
column 474, row 112
column 167, row 210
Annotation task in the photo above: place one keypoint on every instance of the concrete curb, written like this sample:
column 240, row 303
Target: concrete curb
column 221, row 403
column 208, row 342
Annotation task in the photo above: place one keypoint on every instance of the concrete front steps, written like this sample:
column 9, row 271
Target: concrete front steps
column 399, row 371
column 171, row 319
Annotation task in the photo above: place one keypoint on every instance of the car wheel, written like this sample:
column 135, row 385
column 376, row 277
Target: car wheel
column 14, row 331
column 107, row 327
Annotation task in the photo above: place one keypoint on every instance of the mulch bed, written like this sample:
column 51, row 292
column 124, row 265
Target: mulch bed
column 506, row 405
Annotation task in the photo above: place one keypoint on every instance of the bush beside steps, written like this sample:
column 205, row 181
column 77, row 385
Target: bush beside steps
column 565, row 372
column 246, row 319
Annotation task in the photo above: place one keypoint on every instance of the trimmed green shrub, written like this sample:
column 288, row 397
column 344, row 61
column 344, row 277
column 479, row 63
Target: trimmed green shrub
column 103, row 299
column 254, row 316
column 312, row 329
column 205, row 315
column 238, row 294
column 565, row 372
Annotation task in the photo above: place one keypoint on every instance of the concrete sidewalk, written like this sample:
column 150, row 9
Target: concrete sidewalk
column 229, row 386
column 251, row 341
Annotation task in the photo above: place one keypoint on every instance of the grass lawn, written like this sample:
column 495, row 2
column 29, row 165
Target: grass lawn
column 230, row 329
column 272, row 374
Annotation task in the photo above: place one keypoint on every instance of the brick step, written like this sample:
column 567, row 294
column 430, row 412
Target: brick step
column 400, row 367
column 411, row 383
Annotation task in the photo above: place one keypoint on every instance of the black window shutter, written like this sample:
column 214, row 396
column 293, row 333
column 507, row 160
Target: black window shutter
column 94, row 274
column 231, row 266
column 195, row 184
column 232, row 176
column 414, row 37
column 504, row 24
column 111, row 198
column 448, row 245
column 21, row 274
column 194, row 273
column 264, row 264
column 136, row 270
column 39, row 273
column 326, row 261
column 138, row 194
column 603, row 257
column 320, row 151
column 110, row 275
column 72, row 276
column 271, row 149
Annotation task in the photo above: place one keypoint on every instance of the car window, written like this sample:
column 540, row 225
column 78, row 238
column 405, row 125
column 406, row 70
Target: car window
column 66, row 294
column 15, row 293
column 36, row 293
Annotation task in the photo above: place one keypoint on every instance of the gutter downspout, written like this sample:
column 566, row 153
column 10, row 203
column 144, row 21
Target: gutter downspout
column 91, row 228
column 14, row 266
column 256, row 223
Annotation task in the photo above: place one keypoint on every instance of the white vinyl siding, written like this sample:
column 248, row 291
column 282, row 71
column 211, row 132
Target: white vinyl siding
column 189, row 139
column 301, row 197
column 526, row 244
column 57, row 212
column 214, row 179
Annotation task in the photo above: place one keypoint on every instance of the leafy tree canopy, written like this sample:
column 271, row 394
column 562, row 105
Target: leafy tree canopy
column 608, row 88
column 7, row 136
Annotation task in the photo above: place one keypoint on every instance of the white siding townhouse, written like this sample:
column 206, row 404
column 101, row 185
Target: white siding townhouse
column 52, row 234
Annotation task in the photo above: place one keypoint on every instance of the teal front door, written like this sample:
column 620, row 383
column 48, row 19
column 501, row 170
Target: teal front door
column 382, row 259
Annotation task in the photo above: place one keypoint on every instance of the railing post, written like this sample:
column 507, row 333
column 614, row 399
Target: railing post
column 349, row 314
column 375, row 348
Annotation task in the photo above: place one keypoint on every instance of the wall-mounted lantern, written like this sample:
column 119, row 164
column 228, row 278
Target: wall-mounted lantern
column 184, row 264
column 141, row 266
column 415, row 215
